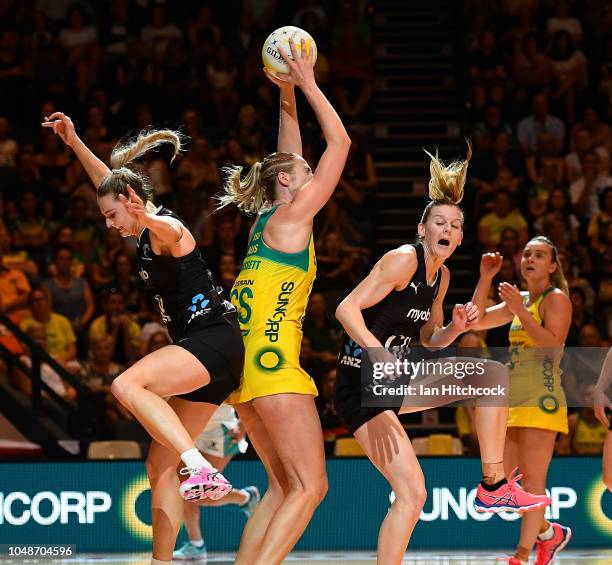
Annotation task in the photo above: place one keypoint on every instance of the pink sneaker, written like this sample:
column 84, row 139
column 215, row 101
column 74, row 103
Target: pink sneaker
column 546, row 550
column 510, row 497
column 203, row 482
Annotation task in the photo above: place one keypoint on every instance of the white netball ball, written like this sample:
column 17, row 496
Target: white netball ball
column 273, row 60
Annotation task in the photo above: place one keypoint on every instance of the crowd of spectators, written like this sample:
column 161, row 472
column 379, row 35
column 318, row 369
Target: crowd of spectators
column 538, row 104
column 117, row 67
column 538, row 109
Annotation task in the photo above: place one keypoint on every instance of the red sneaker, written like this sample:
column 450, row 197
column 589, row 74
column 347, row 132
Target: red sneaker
column 509, row 497
column 546, row 550
column 510, row 560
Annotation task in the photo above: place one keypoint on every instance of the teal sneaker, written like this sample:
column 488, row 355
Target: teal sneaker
column 249, row 506
column 189, row 552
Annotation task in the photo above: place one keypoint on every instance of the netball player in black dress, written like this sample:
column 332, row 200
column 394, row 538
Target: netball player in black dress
column 398, row 304
column 173, row 391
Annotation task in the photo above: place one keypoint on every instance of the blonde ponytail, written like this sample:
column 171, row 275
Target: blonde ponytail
column 447, row 182
column 127, row 152
column 124, row 153
column 246, row 194
column 256, row 192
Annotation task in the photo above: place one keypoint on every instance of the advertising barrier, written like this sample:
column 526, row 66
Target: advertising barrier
column 104, row 506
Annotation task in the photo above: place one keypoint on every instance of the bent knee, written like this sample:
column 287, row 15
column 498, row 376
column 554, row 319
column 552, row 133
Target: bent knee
column 317, row 490
column 160, row 470
column 312, row 491
column 323, row 488
column 120, row 388
column 411, row 496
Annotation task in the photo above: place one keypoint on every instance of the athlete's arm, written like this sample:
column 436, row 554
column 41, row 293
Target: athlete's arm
column 64, row 128
column 555, row 310
column 169, row 232
column 393, row 272
column 289, row 138
column 490, row 263
column 315, row 194
column 432, row 334
column 494, row 317
column 603, row 382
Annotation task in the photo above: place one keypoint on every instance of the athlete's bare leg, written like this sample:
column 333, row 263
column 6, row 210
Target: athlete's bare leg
column 533, row 448
column 293, row 425
column 169, row 371
column 166, row 502
column 386, row 443
column 278, row 486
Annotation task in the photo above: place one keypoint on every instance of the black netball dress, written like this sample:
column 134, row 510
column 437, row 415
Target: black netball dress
column 198, row 319
column 396, row 322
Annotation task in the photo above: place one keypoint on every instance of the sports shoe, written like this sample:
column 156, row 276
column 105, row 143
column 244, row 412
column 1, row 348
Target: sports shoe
column 546, row 550
column 203, row 482
column 510, row 560
column 254, row 497
column 189, row 552
column 509, row 497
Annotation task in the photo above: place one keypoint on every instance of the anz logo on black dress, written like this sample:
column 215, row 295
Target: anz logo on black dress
column 352, row 355
column 198, row 306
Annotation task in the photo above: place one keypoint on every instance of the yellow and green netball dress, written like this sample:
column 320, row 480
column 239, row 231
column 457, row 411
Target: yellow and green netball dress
column 537, row 399
column 270, row 295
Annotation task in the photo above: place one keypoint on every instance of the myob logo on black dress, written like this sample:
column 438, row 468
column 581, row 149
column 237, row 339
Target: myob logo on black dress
column 416, row 314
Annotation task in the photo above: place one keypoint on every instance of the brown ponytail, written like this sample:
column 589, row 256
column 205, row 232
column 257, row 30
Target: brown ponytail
column 558, row 277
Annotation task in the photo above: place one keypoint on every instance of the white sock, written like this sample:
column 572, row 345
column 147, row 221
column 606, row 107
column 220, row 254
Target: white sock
column 193, row 458
column 548, row 534
column 159, row 562
column 197, row 543
column 247, row 496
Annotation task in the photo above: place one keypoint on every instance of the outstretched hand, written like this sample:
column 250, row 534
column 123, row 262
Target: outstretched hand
column 511, row 295
column 490, row 264
column 300, row 72
column 601, row 402
column 465, row 316
column 133, row 204
column 285, row 82
column 62, row 126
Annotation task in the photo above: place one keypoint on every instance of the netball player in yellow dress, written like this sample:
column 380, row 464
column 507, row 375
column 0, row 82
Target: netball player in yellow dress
column 540, row 318
column 603, row 411
column 275, row 400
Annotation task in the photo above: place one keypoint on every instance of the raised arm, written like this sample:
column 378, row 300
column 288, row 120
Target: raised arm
column 393, row 272
column 555, row 310
column 169, row 232
column 64, row 128
column 497, row 315
column 433, row 334
column 289, row 138
column 317, row 192
column 494, row 316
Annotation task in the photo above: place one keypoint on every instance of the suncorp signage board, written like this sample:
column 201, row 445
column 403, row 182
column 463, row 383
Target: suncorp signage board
column 104, row 506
